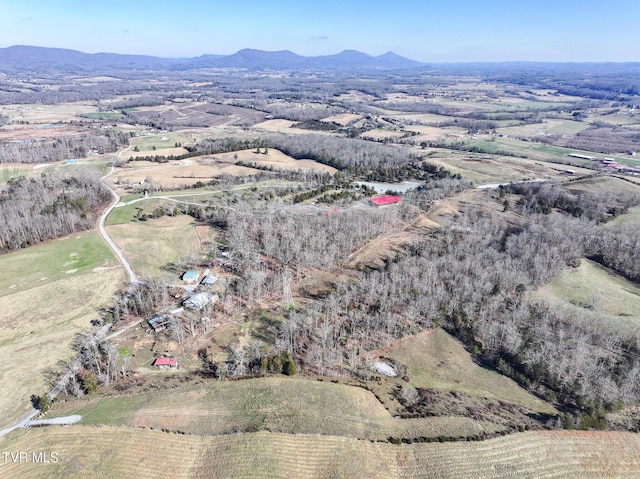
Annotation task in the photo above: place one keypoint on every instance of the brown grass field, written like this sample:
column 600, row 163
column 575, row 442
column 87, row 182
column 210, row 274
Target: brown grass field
column 343, row 119
column 47, row 294
column 188, row 172
column 112, row 452
column 484, row 169
column 46, row 113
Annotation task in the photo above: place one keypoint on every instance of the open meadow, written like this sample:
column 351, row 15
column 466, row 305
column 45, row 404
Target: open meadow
column 436, row 360
column 276, row 404
column 48, row 293
column 593, row 290
column 179, row 173
column 151, row 245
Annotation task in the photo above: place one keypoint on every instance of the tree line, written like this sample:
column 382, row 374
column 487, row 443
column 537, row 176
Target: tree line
column 37, row 209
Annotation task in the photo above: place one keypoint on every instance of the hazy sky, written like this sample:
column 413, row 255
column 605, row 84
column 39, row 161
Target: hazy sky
column 427, row 30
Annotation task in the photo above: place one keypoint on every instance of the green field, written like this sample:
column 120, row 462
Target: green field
column 436, row 360
column 146, row 143
column 113, row 453
column 593, row 290
column 56, row 259
column 48, row 293
column 150, row 245
column 277, row 404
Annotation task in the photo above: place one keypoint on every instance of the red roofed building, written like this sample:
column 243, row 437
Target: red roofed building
column 384, row 200
column 166, row 362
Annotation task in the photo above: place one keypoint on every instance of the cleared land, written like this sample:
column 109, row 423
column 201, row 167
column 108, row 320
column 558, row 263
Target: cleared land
column 592, row 288
column 175, row 174
column 47, row 294
column 150, row 245
column 603, row 184
column 343, row 118
column 547, row 127
column 111, row 452
column 289, row 405
column 484, row 169
column 632, row 217
column 436, row 360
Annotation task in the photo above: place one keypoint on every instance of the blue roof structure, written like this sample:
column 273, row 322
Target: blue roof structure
column 191, row 275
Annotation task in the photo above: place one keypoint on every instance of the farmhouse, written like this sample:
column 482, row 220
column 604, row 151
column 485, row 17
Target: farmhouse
column 159, row 323
column 200, row 300
column 385, row 200
column 166, row 362
column 191, row 276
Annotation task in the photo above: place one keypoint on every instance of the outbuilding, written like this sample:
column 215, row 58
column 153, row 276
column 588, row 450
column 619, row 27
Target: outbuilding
column 166, row 362
column 384, row 200
column 191, row 276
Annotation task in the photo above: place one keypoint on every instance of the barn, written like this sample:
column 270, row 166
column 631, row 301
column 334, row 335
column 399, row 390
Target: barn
column 384, row 200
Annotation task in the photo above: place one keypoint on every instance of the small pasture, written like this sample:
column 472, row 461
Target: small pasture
column 594, row 290
column 436, row 360
column 150, row 245
column 277, row 404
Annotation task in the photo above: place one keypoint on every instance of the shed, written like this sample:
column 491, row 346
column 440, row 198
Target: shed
column 191, row 276
column 209, row 279
column 384, row 200
column 166, row 362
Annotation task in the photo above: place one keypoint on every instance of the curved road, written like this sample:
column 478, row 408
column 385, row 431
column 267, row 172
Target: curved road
column 25, row 420
column 133, row 279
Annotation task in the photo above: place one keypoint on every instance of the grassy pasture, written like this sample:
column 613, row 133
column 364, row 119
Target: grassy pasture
column 277, row 404
column 438, row 361
column 111, row 452
column 547, row 127
column 592, row 288
column 149, row 245
column 632, row 217
column 146, row 143
column 175, row 174
column 47, row 294
column 46, row 113
column 603, row 184
column 482, row 169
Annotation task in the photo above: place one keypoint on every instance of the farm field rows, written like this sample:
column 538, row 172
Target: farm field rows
column 111, row 452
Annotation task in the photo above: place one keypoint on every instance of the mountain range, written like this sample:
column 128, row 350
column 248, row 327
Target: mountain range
column 30, row 58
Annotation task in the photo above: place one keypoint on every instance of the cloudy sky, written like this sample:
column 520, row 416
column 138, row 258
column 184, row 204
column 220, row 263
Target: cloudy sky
column 427, row 30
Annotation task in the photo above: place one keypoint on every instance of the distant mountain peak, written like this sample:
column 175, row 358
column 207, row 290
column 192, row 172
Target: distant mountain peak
column 24, row 57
